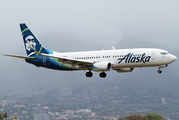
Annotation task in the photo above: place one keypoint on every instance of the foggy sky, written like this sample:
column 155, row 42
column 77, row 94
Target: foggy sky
column 78, row 26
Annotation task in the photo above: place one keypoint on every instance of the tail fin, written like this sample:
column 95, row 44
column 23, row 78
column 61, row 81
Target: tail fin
column 29, row 38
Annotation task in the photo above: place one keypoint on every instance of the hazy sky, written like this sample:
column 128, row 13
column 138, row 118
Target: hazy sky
column 96, row 21
column 79, row 25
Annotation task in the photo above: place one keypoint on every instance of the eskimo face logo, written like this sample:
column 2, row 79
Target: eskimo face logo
column 129, row 58
column 31, row 41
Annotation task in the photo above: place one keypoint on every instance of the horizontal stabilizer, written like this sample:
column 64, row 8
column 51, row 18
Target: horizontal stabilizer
column 22, row 57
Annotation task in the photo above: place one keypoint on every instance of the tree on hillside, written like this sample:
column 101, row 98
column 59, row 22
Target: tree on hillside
column 133, row 117
column 148, row 116
column 1, row 116
column 151, row 116
column 5, row 115
column 15, row 118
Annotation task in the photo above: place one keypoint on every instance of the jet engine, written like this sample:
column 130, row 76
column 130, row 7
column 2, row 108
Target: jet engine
column 101, row 66
column 124, row 70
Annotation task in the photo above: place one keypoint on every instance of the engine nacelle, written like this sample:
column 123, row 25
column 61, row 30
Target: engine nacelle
column 101, row 66
column 124, row 70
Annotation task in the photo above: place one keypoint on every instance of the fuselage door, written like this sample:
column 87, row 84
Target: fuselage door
column 153, row 55
column 44, row 61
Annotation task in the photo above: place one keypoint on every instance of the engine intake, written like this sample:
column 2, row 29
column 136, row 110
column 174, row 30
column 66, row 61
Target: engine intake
column 101, row 66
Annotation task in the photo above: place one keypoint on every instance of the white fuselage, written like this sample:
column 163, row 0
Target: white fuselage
column 150, row 57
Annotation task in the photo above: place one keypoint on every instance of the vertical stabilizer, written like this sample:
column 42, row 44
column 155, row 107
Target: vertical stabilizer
column 30, row 41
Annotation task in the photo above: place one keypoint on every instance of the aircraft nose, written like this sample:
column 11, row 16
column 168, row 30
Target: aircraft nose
column 173, row 58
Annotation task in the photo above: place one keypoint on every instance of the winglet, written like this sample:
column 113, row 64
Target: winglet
column 113, row 48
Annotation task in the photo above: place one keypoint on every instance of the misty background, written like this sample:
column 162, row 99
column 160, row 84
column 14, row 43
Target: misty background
column 83, row 25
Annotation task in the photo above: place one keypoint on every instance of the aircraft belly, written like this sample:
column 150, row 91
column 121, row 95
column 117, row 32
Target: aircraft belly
column 132, row 65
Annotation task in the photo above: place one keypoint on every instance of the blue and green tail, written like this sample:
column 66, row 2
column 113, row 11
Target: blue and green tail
column 30, row 41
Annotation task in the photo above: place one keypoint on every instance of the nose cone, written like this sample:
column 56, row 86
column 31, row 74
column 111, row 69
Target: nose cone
column 173, row 58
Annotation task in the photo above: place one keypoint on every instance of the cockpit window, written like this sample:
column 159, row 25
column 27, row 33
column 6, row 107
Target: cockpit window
column 164, row 53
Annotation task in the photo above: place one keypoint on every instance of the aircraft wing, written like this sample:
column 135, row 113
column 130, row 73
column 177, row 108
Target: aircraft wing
column 66, row 60
column 22, row 57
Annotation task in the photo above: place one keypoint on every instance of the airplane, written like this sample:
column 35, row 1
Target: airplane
column 120, row 60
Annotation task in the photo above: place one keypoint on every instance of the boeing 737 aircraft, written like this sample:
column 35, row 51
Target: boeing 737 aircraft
column 121, row 60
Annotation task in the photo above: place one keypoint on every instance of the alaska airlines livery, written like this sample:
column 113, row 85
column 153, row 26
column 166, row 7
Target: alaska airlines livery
column 121, row 60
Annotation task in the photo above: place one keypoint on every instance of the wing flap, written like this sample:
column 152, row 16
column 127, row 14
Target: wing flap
column 22, row 57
